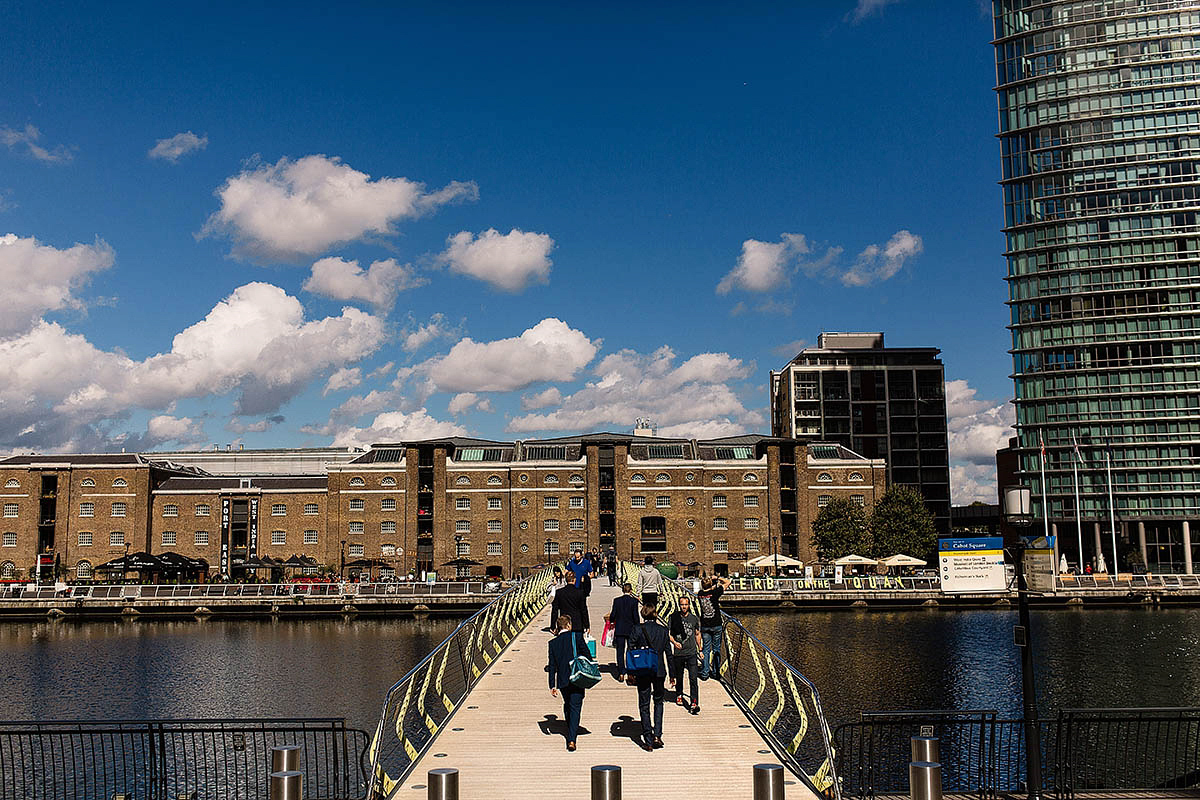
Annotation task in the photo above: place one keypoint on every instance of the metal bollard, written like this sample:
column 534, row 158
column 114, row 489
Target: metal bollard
column 443, row 784
column 286, row 785
column 925, row 780
column 606, row 782
column 925, row 748
column 768, row 782
column 286, row 758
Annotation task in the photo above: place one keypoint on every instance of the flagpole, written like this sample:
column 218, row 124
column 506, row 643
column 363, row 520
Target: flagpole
column 1078, row 510
column 1045, row 507
column 1112, row 511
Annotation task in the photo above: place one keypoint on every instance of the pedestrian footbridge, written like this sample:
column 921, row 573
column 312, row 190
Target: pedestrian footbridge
column 480, row 704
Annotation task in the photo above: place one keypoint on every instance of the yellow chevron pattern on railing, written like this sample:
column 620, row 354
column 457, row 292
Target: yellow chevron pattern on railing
column 781, row 709
column 418, row 705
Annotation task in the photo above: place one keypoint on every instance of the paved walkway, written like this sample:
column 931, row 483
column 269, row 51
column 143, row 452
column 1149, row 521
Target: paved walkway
column 508, row 739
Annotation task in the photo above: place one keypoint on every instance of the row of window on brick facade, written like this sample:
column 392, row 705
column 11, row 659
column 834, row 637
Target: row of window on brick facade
column 205, row 510
column 825, row 499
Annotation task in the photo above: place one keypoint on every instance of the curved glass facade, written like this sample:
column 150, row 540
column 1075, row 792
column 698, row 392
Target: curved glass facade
column 1099, row 106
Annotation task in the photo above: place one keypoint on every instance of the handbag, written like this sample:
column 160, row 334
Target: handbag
column 641, row 660
column 606, row 637
column 585, row 673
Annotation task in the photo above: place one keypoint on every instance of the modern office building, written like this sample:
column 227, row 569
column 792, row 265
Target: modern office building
column 1100, row 140
column 882, row 402
column 415, row 506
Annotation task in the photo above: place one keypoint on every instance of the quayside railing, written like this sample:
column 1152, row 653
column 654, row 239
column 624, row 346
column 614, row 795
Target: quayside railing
column 205, row 759
column 1145, row 751
column 782, row 704
column 248, row 591
column 421, row 702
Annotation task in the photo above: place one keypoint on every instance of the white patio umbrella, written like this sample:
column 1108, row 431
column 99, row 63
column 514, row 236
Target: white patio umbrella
column 779, row 559
column 1062, row 564
column 853, row 560
column 901, row 560
column 1100, row 565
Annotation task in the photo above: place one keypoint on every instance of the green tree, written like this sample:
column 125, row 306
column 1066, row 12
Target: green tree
column 840, row 529
column 900, row 523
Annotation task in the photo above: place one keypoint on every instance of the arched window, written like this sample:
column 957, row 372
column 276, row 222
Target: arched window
column 357, row 482
column 120, row 483
column 8, row 570
column 462, row 480
column 88, row 483
column 494, row 480
column 662, row 477
column 718, row 478
column 388, row 481
column 83, row 570
column 856, row 477
column 824, row 477
column 551, row 479
column 577, row 478
column 637, row 477
column 750, row 477
column 12, row 483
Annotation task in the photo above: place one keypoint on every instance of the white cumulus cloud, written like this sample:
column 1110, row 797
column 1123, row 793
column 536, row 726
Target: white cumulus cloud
column 465, row 401
column 764, row 266
column 39, row 278
column 865, row 8
column 345, row 280
column 509, row 261
column 549, row 351
column 256, row 344
column 292, row 209
column 976, row 429
column 175, row 147
column 693, row 395
column 543, row 399
column 422, row 335
column 344, row 378
column 875, row 263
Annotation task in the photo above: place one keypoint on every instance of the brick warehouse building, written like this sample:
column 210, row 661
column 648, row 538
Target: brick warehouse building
column 413, row 506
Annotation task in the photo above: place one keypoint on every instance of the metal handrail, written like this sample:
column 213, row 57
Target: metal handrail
column 419, row 704
column 207, row 591
column 776, row 697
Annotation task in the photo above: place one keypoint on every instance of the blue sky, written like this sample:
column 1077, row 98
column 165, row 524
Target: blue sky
column 298, row 225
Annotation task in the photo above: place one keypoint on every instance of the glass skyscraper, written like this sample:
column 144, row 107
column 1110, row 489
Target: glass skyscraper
column 1100, row 138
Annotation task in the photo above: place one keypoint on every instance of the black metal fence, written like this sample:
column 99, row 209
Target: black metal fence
column 1083, row 751
column 168, row 759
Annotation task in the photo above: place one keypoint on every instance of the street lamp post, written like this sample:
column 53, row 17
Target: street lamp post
column 342, row 561
column 1017, row 512
column 631, row 548
column 774, row 558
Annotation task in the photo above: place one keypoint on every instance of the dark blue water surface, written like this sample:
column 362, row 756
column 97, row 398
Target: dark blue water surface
column 859, row 661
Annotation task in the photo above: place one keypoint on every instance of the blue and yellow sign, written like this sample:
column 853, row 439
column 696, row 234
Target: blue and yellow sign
column 974, row 564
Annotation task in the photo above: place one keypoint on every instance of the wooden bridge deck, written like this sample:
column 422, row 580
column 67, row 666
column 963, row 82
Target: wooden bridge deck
column 508, row 740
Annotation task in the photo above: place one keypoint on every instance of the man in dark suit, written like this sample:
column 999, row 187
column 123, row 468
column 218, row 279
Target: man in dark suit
column 624, row 618
column 563, row 649
column 571, row 601
column 653, row 635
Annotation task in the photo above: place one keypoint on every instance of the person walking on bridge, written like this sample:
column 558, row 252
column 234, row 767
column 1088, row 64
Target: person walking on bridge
column 571, row 601
column 711, row 628
column 563, row 649
column 624, row 618
column 649, row 583
column 652, row 635
column 684, row 628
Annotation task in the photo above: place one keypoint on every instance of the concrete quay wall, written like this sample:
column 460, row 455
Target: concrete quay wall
column 915, row 599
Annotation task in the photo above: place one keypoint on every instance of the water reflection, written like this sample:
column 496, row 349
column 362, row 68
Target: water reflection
column 938, row 659
column 859, row 661
column 214, row 668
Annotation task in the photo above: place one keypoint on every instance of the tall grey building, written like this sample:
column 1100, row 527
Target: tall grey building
column 881, row 402
column 1100, row 134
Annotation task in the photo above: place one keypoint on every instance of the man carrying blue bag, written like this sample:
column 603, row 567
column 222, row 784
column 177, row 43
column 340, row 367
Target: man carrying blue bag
column 646, row 666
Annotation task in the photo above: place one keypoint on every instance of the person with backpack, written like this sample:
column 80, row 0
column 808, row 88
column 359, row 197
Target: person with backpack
column 565, row 650
column 711, row 625
column 649, row 583
column 650, row 647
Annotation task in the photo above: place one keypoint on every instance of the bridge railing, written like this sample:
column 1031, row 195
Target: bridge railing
column 784, row 705
column 421, row 702
column 91, row 760
column 1126, row 751
column 249, row 591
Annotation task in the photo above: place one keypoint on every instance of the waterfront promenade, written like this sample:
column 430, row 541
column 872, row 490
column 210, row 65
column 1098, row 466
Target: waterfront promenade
column 507, row 739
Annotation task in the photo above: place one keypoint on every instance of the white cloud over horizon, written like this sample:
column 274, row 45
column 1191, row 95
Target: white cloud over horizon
column 397, row 426
column 176, row 147
column 976, row 430
column 294, row 209
column 510, row 261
